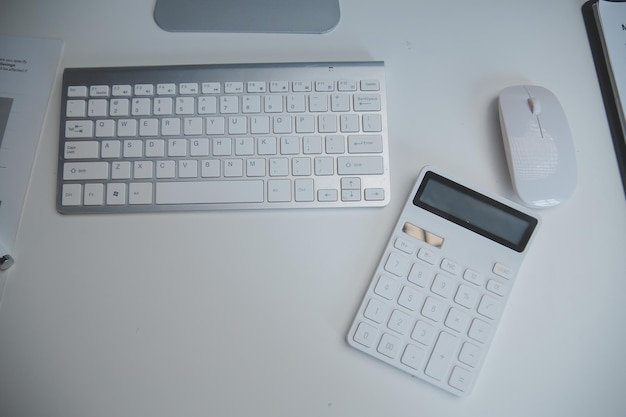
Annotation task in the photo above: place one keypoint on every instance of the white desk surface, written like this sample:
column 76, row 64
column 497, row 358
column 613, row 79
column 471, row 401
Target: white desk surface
column 245, row 313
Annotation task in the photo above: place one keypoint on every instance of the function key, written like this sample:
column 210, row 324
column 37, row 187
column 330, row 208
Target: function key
column 233, row 87
column 211, row 88
column 301, row 86
column 346, row 85
column 144, row 89
column 166, row 89
column 188, row 88
column 496, row 287
column 121, row 91
column 257, row 87
column 405, row 245
column 324, row 86
column 370, row 85
column 450, row 266
column 279, row 86
column 473, row 277
column 427, row 255
column 99, row 91
column 77, row 91
column 489, row 307
column 502, row 270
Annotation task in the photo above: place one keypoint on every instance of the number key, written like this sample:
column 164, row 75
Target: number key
column 397, row 264
column 443, row 286
column 389, row 346
column 399, row 322
column 409, row 298
column 386, row 287
column 433, row 309
column 423, row 333
column 365, row 335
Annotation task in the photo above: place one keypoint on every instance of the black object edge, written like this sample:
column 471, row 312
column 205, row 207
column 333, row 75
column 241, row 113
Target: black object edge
column 606, row 87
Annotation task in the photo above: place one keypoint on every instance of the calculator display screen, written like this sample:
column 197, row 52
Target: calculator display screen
column 475, row 211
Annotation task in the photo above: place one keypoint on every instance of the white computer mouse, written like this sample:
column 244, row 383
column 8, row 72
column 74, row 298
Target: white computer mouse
column 538, row 145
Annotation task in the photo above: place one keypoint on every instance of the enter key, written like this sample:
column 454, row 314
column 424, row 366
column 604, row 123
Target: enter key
column 365, row 144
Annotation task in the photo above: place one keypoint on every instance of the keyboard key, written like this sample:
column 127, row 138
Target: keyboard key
column 116, row 194
column 360, row 165
column 72, row 194
column 365, row 144
column 85, row 171
column 77, row 91
column 194, row 192
column 367, row 102
column 140, row 193
column 370, row 85
column 81, row 150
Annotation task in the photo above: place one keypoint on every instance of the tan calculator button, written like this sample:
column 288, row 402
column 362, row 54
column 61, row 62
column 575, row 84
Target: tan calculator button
column 502, row 270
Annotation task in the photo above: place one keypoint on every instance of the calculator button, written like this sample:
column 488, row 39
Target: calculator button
column 460, row 379
column 441, row 357
column 427, row 255
column 433, row 309
column 470, row 354
column 443, row 285
column 423, row 333
column 489, row 307
column 496, row 287
column 389, row 346
column 365, row 334
column 405, row 245
column 420, row 275
column 450, row 266
column 397, row 265
column 409, row 298
column 413, row 356
column 376, row 311
column 466, row 296
column 399, row 322
column 479, row 331
column 456, row 320
column 473, row 277
column 502, row 270
column 386, row 287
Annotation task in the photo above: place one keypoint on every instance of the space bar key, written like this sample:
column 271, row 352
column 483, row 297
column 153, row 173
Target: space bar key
column 209, row 192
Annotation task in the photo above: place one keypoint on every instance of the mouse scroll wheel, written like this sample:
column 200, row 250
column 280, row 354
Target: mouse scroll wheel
column 535, row 105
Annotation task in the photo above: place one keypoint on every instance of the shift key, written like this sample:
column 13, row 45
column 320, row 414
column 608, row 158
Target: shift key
column 360, row 165
column 86, row 171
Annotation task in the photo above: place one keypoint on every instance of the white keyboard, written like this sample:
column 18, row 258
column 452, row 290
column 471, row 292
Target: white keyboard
column 223, row 137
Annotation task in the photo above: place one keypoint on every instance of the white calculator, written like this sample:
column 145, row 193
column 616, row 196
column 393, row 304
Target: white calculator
column 440, row 288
